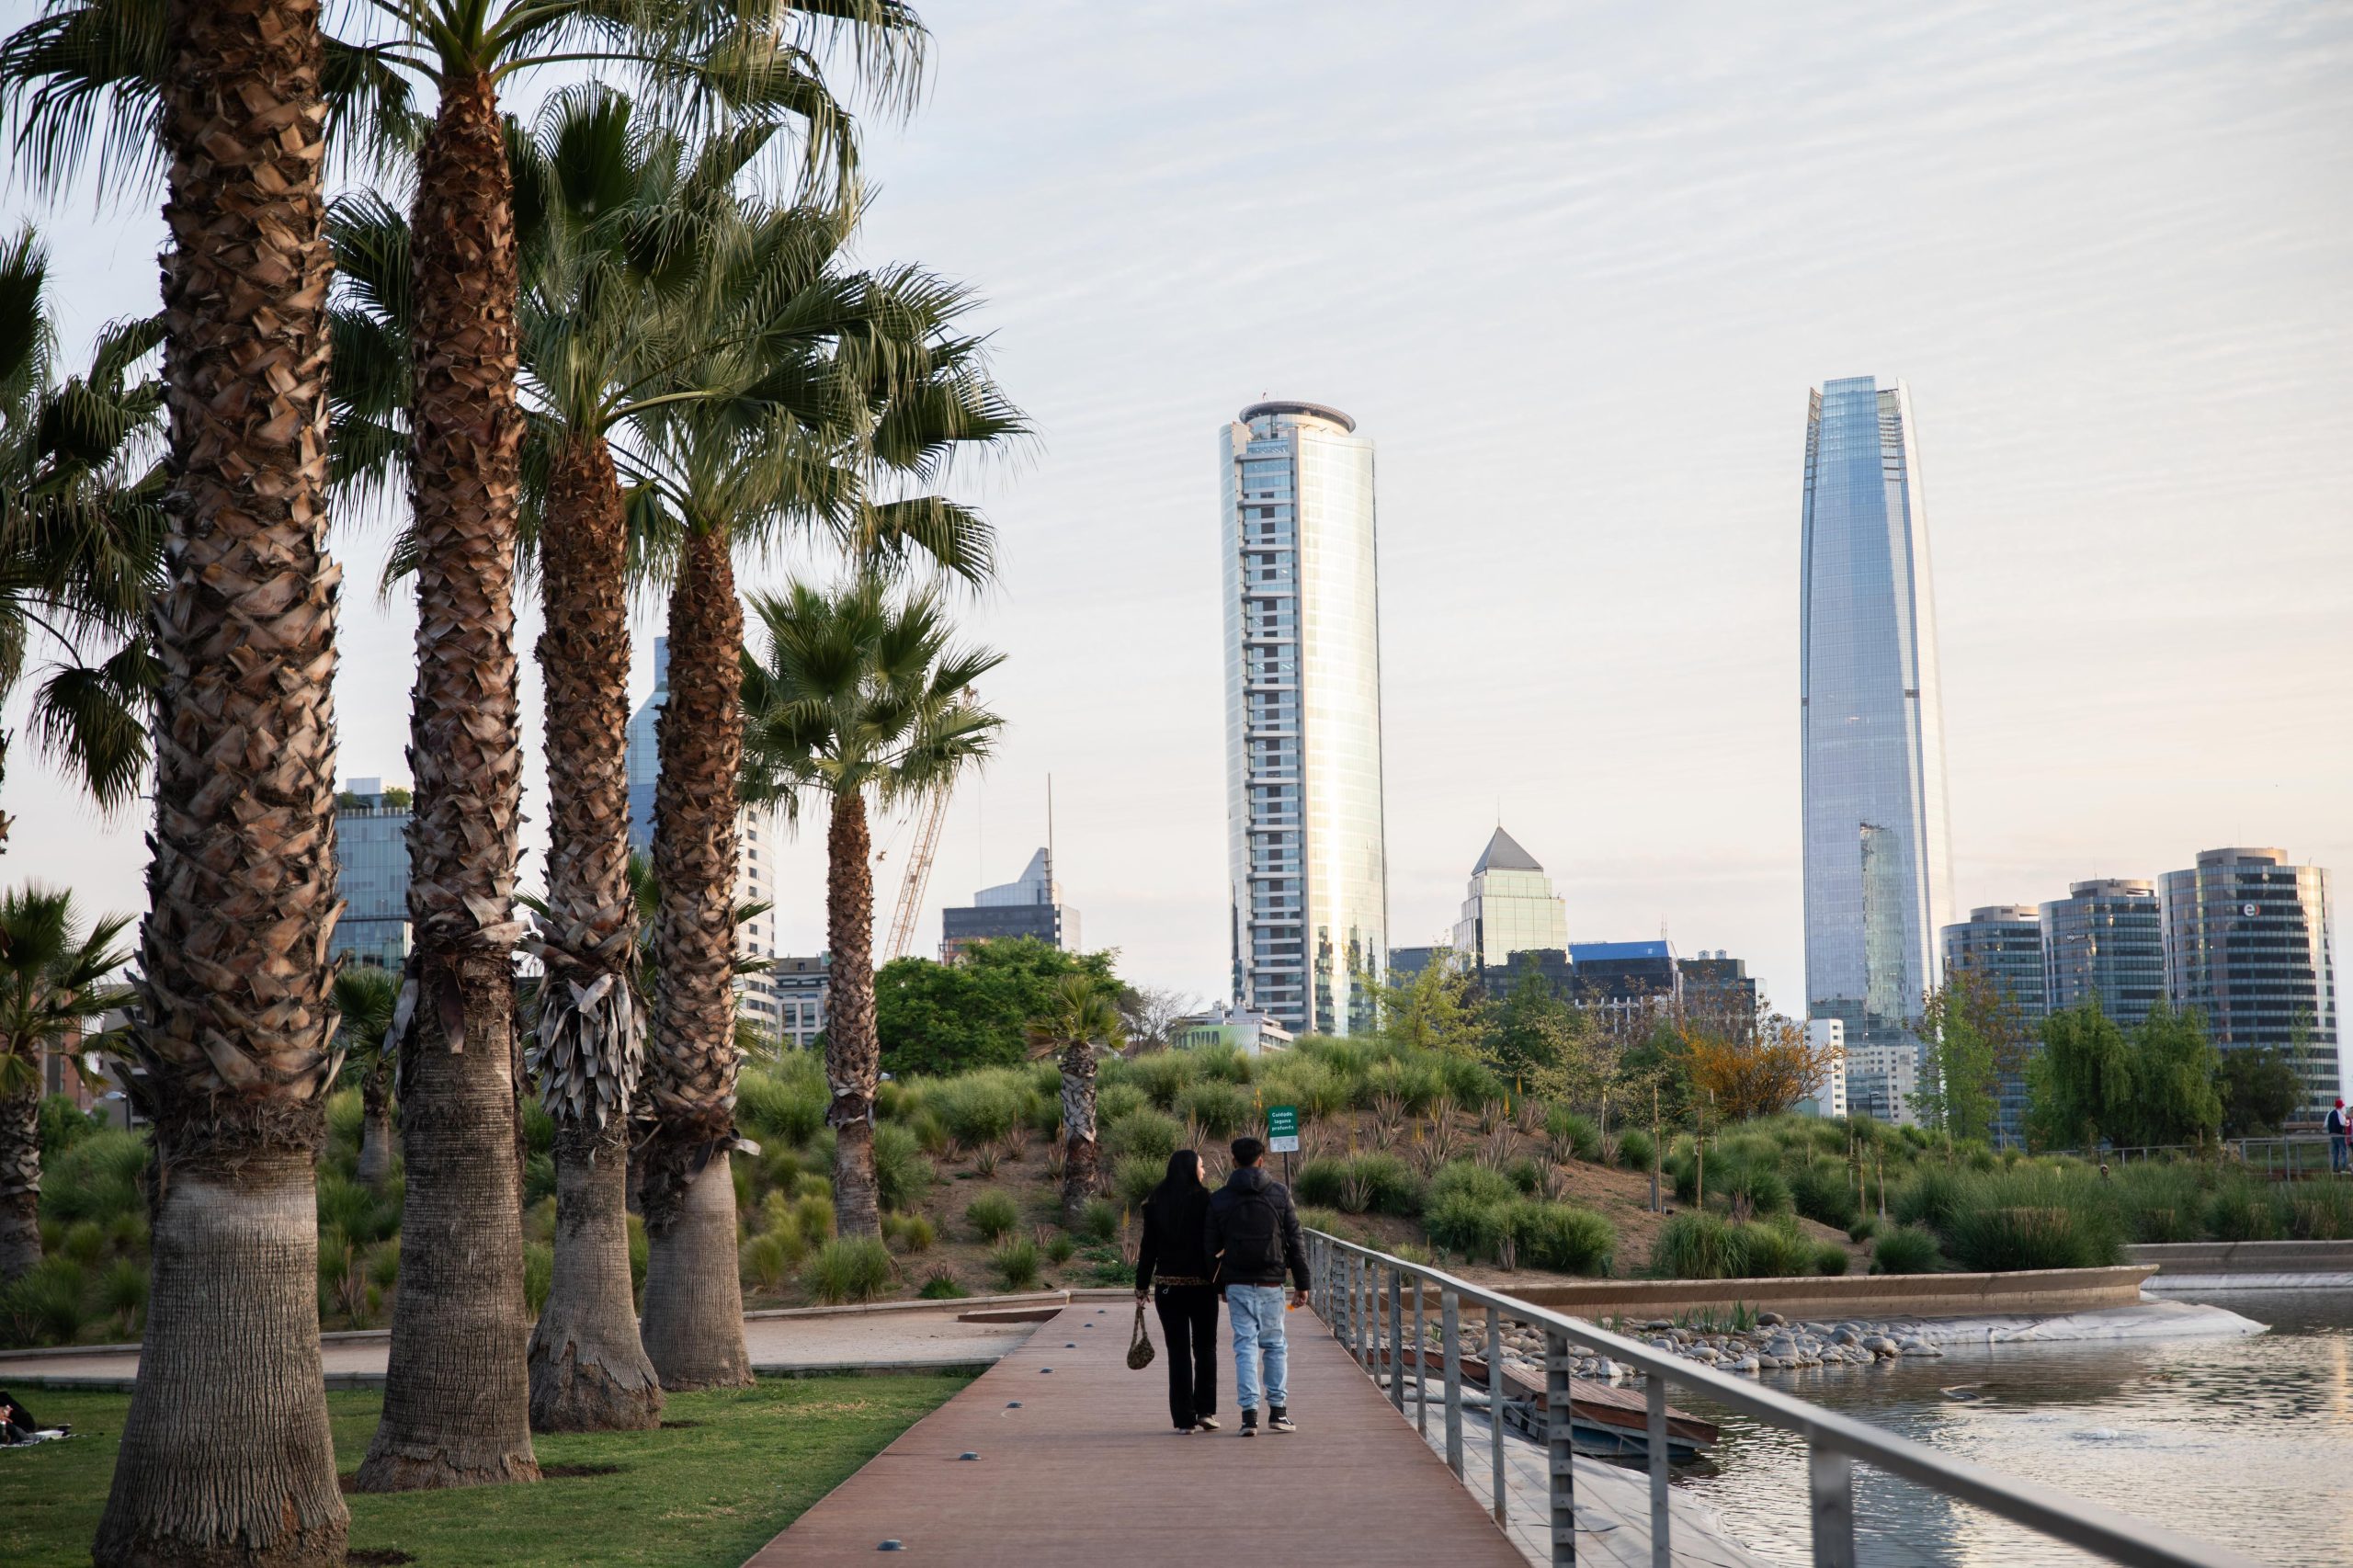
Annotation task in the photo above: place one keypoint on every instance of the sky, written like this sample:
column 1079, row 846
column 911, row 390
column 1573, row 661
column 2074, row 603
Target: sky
column 1574, row 269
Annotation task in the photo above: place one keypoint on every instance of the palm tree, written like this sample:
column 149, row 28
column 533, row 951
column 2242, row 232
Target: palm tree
column 53, row 979
column 1081, row 1019
column 366, row 998
column 233, row 1033
column 80, row 530
column 860, row 694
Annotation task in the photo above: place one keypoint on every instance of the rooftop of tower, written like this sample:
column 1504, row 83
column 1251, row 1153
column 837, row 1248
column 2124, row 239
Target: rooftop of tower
column 1293, row 405
column 1503, row 854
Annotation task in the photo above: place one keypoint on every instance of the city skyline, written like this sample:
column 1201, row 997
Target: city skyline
column 2138, row 469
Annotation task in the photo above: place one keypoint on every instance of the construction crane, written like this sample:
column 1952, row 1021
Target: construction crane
column 918, row 874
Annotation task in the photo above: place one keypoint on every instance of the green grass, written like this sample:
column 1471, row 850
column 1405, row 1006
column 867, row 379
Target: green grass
column 709, row 1493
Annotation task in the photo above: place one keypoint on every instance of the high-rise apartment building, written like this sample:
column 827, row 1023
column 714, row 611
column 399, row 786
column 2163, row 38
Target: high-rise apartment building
column 803, row 987
column 2105, row 939
column 2002, row 942
column 371, row 874
column 1511, row 907
column 1306, row 857
column 2247, row 942
column 1878, row 849
column 1030, row 906
column 756, row 848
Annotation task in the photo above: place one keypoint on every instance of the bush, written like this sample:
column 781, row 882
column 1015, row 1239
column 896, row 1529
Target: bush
column 538, row 1274
column 1143, row 1134
column 1367, row 1184
column 1115, row 1101
column 1931, row 1198
column 96, row 1178
column 64, row 1124
column 1634, row 1150
column 812, row 1218
column 1771, row 1251
column 909, row 1233
column 979, row 1107
column 539, row 1127
column 1414, row 1080
column 2319, row 1212
column 84, row 1242
column 1163, row 1075
column 1829, row 1257
column 766, row 1263
column 1475, row 1227
column 1562, row 1237
column 1224, row 1111
column 356, row 1211
column 48, row 1304
column 783, row 1107
column 1760, row 1185
column 1576, row 1130
column 1526, row 1175
column 122, row 1290
column 1099, row 1221
column 1863, row 1229
column 902, row 1173
column 941, row 1286
column 1469, row 1084
column 1993, row 1241
column 992, row 1215
column 1061, row 1247
column 1321, row 1182
column 2240, row 1213
column 848, row 1268
column 1315, row 1088
column 1905, row 1249
column 1133, row 1181
column 1697, row 1245
column 1224, row 1063
column 1821, row 1192
column 1016, row 1263
column 1464, row 1179
column 2161, row 1203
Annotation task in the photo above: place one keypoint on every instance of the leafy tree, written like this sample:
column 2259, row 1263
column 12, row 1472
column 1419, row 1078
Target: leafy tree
column 2260, row 1088
column 1759, row 1071
column 940, row 1019
column 1539, row 1040
column 2080, row 1083
column 2176, row 1097
column 1973, row 1031
column 1080, row 1019
column 366, row 997
column 1439, row 1009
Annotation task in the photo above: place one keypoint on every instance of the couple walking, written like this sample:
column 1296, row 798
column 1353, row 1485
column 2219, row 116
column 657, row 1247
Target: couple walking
column 1237, row 1242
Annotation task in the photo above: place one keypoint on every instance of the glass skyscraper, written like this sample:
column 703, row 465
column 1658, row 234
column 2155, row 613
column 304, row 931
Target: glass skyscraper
column 1878, row 850
column 2105, row 940
column 1511, row 908
column 2247, row 942
column 371, row 874
column 2003, row 943
column 1306, row 856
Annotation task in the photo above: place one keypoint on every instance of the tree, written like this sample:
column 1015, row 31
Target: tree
column 860, row 693
column 952, row 1018
column 54, row 979
column 1974, row 1033
column 2079, row 1085
column 1149, row 1013
column 365, row 998
column 235, row 1022
column 2260, row 1088
column 1762, row 1072
column 1080, row 1021
column 1539, row 1041
column 2176, row 1097
column 1438, row 1008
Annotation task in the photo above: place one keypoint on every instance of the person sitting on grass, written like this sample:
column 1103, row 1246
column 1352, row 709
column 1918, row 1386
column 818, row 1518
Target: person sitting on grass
column 1254, row 1232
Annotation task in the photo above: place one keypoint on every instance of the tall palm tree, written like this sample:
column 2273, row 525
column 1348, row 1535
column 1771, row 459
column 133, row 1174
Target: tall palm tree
column 860, row 694
column 54, row 979
column 236, row 1020
column 1081, row 1017
column 366, row 997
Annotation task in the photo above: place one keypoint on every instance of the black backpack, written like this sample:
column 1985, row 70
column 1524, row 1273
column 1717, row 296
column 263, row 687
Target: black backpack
column 1253, row 1228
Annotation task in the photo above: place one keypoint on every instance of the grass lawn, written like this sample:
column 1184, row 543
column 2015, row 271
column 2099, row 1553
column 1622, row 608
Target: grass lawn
column 726, row 1472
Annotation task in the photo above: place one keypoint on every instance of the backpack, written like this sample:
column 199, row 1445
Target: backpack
column 1253, row 1227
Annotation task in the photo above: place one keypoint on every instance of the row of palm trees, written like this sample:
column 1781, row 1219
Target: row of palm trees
column 590, row 356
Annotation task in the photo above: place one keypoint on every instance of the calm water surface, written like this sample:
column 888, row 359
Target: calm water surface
column 2247, row 1442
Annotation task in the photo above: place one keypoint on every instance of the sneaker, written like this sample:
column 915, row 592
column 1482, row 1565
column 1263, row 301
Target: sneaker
column 1206, row 1424
column 1249, row 1423
column 1184, row 1431
column 1280, row 1421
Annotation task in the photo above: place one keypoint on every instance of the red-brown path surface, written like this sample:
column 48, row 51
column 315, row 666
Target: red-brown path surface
column 1087, row 1471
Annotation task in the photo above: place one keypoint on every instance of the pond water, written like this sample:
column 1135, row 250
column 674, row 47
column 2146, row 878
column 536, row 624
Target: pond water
column 2245, row 1442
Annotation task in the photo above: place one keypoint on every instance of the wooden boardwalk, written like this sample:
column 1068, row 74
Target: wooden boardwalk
column 1084, row 1470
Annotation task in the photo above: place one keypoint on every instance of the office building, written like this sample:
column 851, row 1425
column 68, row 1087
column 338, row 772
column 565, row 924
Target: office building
column 757, row 844
column 1030, row 906
column 1511, row 907
column 2104, row 939
column 1883, row 1076
column 1251, row 1033
column 2247, row 942
column 1878, row 850
column 801, row 987
column 1718, row 986
column 1828, row 1096
column 371, row 874
column 2002, row 942
column 1551, row 964
column 1306, row 860
column 1407, row 963
column 1625, row 974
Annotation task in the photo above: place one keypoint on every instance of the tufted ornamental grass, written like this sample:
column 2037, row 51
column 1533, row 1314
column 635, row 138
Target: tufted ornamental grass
column 1143, row 1134
column 848, row 1268
column 1905, row 1249
column 1635, row 1149
column 992, row 1215
column 1366, row 1183
column 902, row 1173
column 1133, row 1180
column 1163, row 1075
column 1697, row 1245
column 1018, row 1263
column 1564, row 1238
column 1820, row 1190
column 1223, row 1110
column 783, row 1105
column 1099, row 1221
column 1575, row 1130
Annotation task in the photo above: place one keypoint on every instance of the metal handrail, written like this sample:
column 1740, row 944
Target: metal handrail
column 1349, row 1293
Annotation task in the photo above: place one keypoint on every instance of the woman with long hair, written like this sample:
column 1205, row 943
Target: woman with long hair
column 1173, row 1266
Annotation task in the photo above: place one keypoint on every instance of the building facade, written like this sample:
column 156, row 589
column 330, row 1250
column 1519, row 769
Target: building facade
column 1306, row 853
column 757, row 844
column 2105, row 939
column 803, row 987
column 1625, row 974
column 2247, row 941
column 1883, row 1076
column 1719, row 987
column 371, row 874
column 1030, row 906
column 1511, row 907
column 1877, row 843
column 1828, row 1096
column 1253, row 1034
column 2003, row 943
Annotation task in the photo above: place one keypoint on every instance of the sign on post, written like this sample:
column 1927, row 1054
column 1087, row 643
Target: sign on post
column 1282, row 1129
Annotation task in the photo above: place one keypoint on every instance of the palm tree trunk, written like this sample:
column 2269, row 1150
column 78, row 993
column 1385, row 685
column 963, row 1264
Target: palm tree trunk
column 694, row 1296
column 19, row 1174
column 375, row 1129
column 590, row 1370
column 456, row 1396
column 1081, row 1152
column 853, row 1054
column 225, row 1454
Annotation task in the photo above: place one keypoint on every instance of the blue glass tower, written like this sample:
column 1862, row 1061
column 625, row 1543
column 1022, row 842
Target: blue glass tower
column 1878, row 850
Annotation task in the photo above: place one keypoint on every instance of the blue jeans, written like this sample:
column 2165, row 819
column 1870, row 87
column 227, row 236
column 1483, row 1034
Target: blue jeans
column 2337, row 1159
column 1257, row 1313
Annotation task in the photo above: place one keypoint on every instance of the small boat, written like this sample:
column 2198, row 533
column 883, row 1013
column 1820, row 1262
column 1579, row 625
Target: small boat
column 1604, row 1419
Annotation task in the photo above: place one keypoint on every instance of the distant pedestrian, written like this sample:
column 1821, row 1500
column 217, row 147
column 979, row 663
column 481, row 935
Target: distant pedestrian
column 1180, row 1277
column 2340, row 1147
column 1253, row 1231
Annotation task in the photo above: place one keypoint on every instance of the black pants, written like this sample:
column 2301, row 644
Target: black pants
column 1188, row 1321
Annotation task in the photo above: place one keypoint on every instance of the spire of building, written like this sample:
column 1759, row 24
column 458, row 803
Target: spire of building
column 1503, row 854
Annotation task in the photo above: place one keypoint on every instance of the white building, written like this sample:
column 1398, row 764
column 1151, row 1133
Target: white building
column 1829, row 1096
column 1883, row 1076
column 1251, row 1033
column 1511, row 908
column 1307, row 860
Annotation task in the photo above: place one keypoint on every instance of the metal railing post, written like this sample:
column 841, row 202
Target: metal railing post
column 1831, row 1478
column 1495, row 1413
column 1448, row 1325
column 1348, row 1311
column 1421, row 1365
column 1396, row 1340
column 1561, row 1448
column 1662, row 1551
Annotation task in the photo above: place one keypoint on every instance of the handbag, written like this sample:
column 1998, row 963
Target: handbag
column 1139, row 1346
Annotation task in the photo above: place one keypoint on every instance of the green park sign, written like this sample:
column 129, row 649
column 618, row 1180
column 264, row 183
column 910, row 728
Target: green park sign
column 1282, row 1129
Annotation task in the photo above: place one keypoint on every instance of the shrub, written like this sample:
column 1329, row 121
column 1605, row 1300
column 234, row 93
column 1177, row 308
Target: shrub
column 911, row 1233
column 1099, row 1221
column 992, row 1215
column 1686, row 1170
column 1061, row 1247
column 1016, row 1263
column 1464, row 1179
column 1293, row 1080
column 122, row 1290
column 1469, row 1084
column 2240, row 1213
column 1821, row 1192
column 848, row 1268
column 902, row 1173
column 538, row 1274
column 1931, row 1198
column 2161, row 1203
column 64, row 1124
column 979, row 1107
column 384, row 1265
column 98, row 1178
column 1905, row 1249
column 1465, row 1222
column 1114, row 1102
column 345, row 1111
column 780, row 1107
column 84, row 1242
column 1414, row 1082
column 764, row 1263
column 1133, row 1179
column 1862, row 1230
column 1574, row 1129
column 1143, row 1134
column 812, row 1218
column 538, row 1178
column 1224, row 1063
column 48, row 1302
column 539, row 1127
column 356, row 1211
column 1829, row 1257
column 941, row 1286
column 638, row 1253
column 1321, row 1182
column 2320, row 1212
column 1526, row 1175
column 1163, row 1075
column 812, row 1184
column 2047, row 1235
column 1759, row 1185
column 1771, row 1251
column 1634, row 1150
column 1695, row 1244
column 1564, row 1237
column 1223, row 1110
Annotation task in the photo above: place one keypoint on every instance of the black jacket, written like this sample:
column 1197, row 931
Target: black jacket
column 1173, row 1226
column 1253, row 1224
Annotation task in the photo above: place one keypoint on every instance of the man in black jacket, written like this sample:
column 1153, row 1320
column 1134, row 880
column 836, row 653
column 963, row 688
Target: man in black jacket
column 1253, row 1231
